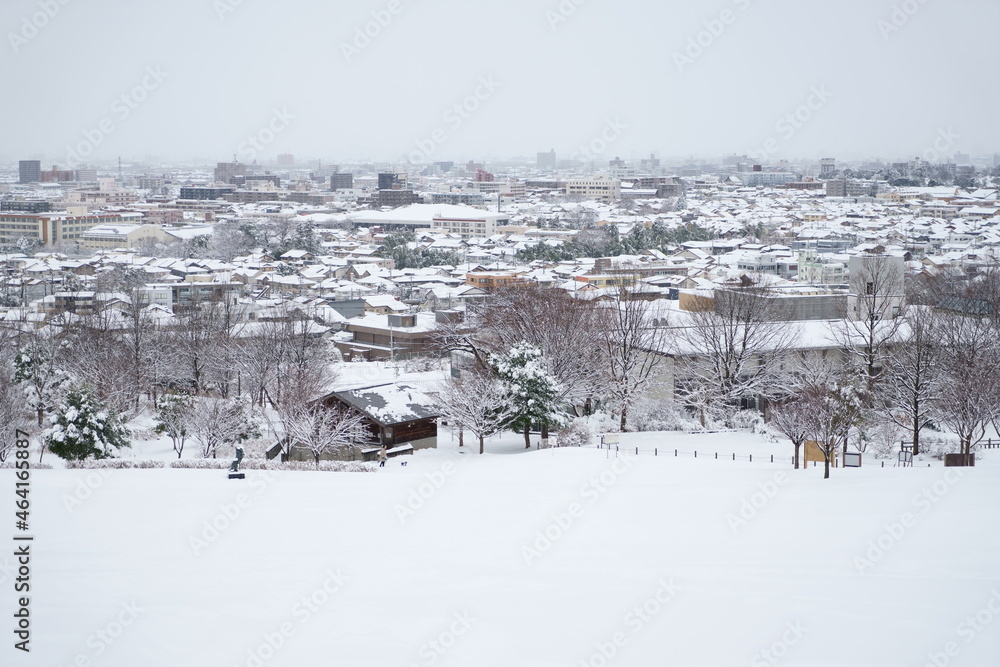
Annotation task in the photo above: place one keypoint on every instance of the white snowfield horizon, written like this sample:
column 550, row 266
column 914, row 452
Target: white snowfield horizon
column 556, row 557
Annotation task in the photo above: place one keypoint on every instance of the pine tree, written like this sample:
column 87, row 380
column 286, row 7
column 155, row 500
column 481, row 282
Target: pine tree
column 534, row 391
column 83, row 429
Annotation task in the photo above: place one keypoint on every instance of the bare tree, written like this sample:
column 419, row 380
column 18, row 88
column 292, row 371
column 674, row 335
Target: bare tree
column 175, row 417
column 216, row 422
column 872, row 321
column 632, row 349
column 828, row 414
column 480, row 404
column 913, row 374
column 735, row 347
column 560, row 326
column 787, row 417
column 321, row 429
column 969, row 399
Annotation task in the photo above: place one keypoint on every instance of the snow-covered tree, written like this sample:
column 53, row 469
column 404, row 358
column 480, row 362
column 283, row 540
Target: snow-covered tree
column 219, row 421
column 534, row 392
column 480, row 403
column 82, row 428
column 38, row 371
column 174, row 418
column 13, row 410
column 321, row 429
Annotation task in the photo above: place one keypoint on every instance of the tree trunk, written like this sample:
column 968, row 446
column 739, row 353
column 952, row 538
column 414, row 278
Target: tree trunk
column 482, row 448
column 623, row 419
column 797, row 446
column 545, row 430
column 826, row 466
column 527, row 435
column 41, row 416
column 461, row 437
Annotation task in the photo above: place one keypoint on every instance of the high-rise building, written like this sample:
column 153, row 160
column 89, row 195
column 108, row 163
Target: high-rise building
column 827, row 166
column 29, row 171
column 224, row 171
column 546, row 160
column 341, row 181
column 286, row 160
column 386, row 180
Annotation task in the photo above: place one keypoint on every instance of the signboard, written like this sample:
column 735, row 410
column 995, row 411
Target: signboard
column 852, row 460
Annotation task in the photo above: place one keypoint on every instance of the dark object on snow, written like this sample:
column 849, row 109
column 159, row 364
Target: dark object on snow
column 234, row 467
column 959, row 461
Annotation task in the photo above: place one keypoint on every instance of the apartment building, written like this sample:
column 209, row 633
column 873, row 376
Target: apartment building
column 603, row 189
column 50, row 229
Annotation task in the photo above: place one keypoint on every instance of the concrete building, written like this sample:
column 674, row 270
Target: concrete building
column 341, row 181
column 225, row 171
column 50, row 229
column 603, row 189
column 827, row 166
column 29, row 171
column 546, row 161
column 463, row 220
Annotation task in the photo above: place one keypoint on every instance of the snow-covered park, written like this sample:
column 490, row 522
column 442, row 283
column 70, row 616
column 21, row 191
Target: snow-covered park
column 554, row 557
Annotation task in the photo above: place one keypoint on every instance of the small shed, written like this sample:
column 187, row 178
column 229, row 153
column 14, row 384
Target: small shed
column 396, row 413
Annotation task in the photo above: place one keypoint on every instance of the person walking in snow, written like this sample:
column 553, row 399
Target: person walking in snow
column 382, row 456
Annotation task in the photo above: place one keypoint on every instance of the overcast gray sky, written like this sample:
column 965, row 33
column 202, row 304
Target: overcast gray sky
column 859, row 78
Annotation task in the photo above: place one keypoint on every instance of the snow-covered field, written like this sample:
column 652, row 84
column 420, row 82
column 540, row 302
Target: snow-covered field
column 555, row 557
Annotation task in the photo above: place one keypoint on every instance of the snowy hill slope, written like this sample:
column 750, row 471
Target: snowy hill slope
column 565, row 557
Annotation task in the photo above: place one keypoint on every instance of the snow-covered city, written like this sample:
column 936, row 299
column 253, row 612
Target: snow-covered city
column 527, row 370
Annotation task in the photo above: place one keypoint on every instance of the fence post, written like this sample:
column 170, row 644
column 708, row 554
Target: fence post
column 656, row 451
column 751, row 458
column 637, row 451
column 734, row 456
column 717, row 456
column 772, row 458
column 696, row 453
column 675, row 453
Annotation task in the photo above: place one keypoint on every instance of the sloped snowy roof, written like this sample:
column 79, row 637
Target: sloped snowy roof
column 391, row 404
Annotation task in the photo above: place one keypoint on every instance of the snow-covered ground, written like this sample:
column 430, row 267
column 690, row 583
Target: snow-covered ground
column 553, row 557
